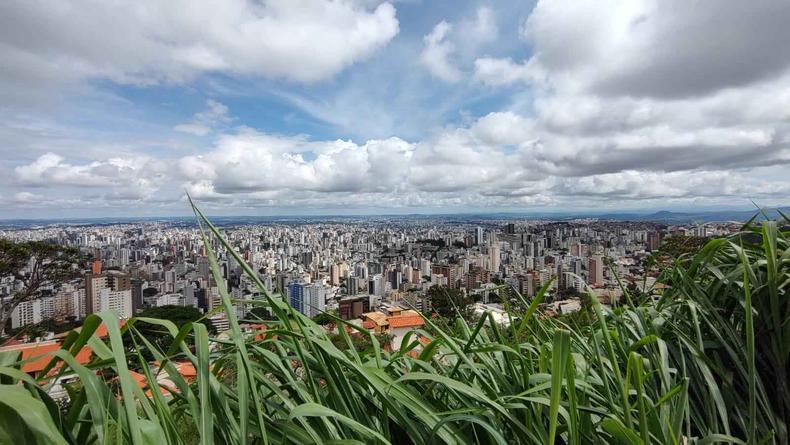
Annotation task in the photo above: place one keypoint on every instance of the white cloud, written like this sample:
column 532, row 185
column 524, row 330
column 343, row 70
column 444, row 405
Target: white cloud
column 449, row 46
column 437, row 51
column 27, row 198
column 478, row 31
column 250, row 161
column 128, row 176
column 205, row 121
column 143, row 42
column 659, row 49
column 608, row 107
column 49, row 169
column 494, row 71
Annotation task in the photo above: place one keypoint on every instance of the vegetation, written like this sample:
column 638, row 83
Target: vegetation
column 448, row 302
column 433, row 242
column 326, row 318
column 178, row 315
column 705, row 361
column 259, row 313
column 362, row 343
column 40, row 267
column 40, row 329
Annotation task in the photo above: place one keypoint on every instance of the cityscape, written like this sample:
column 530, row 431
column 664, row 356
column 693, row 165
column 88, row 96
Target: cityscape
column 394, row 222
column 351, row 267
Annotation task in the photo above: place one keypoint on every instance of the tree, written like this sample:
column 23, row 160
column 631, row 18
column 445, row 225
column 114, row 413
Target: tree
column 325, row 318
column 449, row 302
column 179, row 315
column 150, row 292
column 682, row 246
column 361, row 342
column 260, row 313
column 40, row 267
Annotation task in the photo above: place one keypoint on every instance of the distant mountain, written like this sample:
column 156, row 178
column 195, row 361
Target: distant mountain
column 663, row 216
column 702, row 216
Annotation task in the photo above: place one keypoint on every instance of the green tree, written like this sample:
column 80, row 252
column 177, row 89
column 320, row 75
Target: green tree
column 449, row 302
column 325, row 318
column 361, row 342
column 179, row 315
column 260, row 313
column 40, row 267
column 678, row 246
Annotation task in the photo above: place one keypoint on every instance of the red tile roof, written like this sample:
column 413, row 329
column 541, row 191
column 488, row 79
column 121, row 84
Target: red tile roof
column 405, row 321
column 186, row 369
column 39, row 354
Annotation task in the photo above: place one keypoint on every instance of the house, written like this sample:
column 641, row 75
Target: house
column 402, row 323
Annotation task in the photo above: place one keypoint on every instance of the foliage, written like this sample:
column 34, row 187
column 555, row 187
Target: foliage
column 40, row 267
column 449, row 302
column 433, row 242
column 259, row 313
column 48, row 325
column 178, row 315
column 678, row 248
column 362, row 343
column 325, row 318
column 684, row 367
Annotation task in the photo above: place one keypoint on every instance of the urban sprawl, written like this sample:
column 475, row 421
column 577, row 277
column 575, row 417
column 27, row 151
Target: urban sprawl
column 374, row 273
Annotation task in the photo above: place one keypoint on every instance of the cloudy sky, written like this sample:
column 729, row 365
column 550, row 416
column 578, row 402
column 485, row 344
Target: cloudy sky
column 360, row 106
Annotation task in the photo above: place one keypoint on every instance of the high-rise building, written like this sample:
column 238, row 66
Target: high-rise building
column 315, row 297
column 32, row 311
column 137, row 294
column 653, row 241
column 352, row 285
column 425, row 267
column 448, row 271
column 595, row 271
column 334, row 275
column 203, row 267
column 376, row 285
column 170, row 281
column 353, row 307
column 479, row 236
column 309, row 299
column 111, row 290
column 494, row 254
column 296, row 296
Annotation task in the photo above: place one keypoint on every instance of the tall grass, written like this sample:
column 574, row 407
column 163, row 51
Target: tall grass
column 704, row 363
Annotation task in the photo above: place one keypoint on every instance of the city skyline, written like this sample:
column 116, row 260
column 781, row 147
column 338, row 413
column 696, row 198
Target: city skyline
column 369, row 107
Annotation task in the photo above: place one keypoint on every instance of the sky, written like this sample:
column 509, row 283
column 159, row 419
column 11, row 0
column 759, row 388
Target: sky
column 292, row 107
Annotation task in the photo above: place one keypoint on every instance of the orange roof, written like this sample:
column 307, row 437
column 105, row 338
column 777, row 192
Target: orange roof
column 142, row 383
column 405, row 321
column 40, row 354
column 139, row 379
column 101, row 331
column 368, row 324
column 186, row 369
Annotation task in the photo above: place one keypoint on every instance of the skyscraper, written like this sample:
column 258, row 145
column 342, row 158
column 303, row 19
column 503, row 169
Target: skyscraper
column 653, row 241
column 596, row 270
column 296, row 296
column 494, row 258
column 309, row 299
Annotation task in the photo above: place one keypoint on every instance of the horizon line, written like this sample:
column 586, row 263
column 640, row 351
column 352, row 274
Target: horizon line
column 589, row 213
